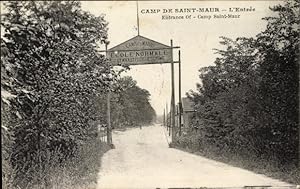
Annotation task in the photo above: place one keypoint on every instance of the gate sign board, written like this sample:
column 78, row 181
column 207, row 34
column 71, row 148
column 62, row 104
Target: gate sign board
column 139, row 50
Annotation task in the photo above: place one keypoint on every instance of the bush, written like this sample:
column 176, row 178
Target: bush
column 60, row 171
column 247, row 102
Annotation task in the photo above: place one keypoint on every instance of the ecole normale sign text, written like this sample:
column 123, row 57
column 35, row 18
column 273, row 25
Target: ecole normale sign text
column 139, row 50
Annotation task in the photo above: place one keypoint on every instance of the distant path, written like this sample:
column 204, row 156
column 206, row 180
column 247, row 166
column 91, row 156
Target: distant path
column 143, row 159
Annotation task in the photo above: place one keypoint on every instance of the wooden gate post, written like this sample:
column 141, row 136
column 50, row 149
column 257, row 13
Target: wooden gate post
column 108, row 128
column 179, row 93
column 173, row 95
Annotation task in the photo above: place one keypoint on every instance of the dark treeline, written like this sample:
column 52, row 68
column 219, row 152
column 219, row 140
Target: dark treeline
column 53, row 86
column 130, row 106
column 247, row 102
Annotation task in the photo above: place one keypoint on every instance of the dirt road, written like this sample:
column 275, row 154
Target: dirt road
column 142, row 159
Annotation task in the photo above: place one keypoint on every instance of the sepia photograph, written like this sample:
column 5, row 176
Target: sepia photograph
column 194, row 94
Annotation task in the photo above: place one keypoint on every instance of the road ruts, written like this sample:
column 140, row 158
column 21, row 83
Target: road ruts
column 142, row 159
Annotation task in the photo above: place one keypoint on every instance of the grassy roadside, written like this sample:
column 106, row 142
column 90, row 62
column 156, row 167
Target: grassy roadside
column 84, row 169
column 289, row 174
column 78, row 172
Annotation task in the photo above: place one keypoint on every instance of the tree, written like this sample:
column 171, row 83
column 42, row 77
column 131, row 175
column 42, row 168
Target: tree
column 279, row 48
column 133, row 107
column 247, row 103
column 51, row 73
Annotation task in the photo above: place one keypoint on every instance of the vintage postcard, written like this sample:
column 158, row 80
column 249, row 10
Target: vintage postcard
column 150, row 94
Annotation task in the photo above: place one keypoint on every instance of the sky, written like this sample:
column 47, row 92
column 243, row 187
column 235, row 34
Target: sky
column 196, row 37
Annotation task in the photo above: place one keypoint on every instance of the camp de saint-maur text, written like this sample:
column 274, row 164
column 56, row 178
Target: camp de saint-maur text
column 199, row 12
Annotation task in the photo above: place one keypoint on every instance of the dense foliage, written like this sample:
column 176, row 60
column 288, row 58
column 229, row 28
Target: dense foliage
column 54, row 85
column 134, row 103
column 50, row 71
column 247, row 103
column 130, row 105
